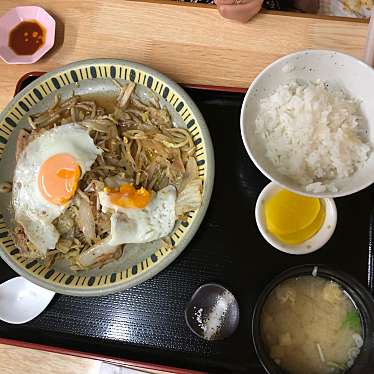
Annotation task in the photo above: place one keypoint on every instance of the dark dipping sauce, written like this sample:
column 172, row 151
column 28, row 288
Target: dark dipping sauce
column 27, row 37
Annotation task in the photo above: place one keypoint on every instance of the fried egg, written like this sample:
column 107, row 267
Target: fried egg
column 139, row 215
column 46, row 178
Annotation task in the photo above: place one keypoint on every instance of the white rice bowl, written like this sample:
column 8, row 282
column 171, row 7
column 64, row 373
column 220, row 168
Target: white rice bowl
column 313, row 133
column 307, row 123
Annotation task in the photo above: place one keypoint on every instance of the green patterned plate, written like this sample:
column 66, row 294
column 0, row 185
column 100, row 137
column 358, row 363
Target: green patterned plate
column 94, row 77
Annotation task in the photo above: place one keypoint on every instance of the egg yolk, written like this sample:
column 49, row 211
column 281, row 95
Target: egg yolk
column 127, row 196
column 293, row 218
column 58, row 178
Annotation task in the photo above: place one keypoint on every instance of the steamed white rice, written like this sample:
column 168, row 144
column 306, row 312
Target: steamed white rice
column 313, row 134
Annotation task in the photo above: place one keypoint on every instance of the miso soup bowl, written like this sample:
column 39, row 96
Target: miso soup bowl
column 360, row 296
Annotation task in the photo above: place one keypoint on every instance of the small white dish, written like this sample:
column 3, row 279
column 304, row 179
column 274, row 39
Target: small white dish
column 21, row 300
column 310, row 245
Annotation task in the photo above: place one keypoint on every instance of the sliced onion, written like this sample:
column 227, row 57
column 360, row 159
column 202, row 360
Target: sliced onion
column 98, row 253
column 85, row 218
column 125, row 95
column 189, row 198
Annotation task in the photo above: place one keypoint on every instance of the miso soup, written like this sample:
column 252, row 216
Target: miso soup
column 310, row 326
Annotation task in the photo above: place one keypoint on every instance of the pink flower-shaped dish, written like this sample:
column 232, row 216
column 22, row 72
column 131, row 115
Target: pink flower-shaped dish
column 12, row 19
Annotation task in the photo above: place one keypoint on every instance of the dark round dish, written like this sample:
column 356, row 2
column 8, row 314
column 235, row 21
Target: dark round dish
column 360, row 296
column 204, row 298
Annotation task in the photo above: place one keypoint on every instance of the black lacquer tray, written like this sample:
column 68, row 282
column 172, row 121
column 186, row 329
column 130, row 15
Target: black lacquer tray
column 146, row 323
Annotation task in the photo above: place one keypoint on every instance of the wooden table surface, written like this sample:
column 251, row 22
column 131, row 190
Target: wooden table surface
column 190, row 44
column 17, row 360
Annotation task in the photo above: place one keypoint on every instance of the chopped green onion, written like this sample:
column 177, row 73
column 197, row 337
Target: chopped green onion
column 335, row 365
column 352, row 321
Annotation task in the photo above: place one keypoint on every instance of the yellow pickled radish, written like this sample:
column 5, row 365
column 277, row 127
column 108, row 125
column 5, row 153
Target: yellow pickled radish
column 306, row 233
column 287, row 212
